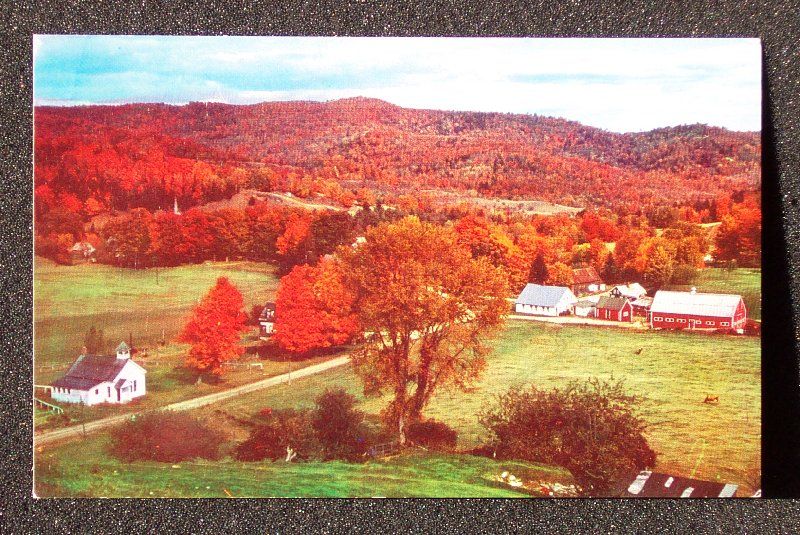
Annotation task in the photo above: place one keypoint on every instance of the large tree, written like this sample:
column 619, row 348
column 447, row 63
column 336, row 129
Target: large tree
column 214, row 328
column 427, row 308
column 313, row 309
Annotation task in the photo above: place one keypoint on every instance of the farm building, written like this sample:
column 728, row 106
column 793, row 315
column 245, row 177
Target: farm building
column 82, row 251
column 585, row 280
column 642, row 305
column 266, row 320
column 647, row 484
column 541, row 300
column 614, row 308
column 584, row 308
column 94, row 379
column 693, row 310
column 631, row 291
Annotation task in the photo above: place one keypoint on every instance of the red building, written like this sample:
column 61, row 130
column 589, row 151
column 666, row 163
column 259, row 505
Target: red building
column 585, row 280
column 614, row 308
column 693, row 310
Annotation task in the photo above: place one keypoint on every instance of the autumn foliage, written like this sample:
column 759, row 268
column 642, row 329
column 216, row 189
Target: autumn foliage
column 214, row 329
column 313, row 309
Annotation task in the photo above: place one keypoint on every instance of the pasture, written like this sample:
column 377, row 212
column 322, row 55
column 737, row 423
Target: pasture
column 145, row 304
column 673, row 374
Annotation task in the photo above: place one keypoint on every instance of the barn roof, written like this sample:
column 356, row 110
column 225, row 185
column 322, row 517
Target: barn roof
column 91, row 370
column 633, row 290
column 698, row 304
column 611, row 303
column 543, row 296
column 643, row 301
column 648, row 484
column 586, row 303
column 585, row 275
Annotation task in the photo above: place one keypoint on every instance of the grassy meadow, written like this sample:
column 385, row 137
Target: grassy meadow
column 146, row 303
column 673, row 374
column 84, row 469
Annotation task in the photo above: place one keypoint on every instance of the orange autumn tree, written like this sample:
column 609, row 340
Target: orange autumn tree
column 313, row 309
column 214, row 328
column 428, row 308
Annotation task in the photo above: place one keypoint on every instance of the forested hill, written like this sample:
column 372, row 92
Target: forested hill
column 148, row 154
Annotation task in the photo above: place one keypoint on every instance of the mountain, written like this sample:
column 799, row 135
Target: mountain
column 146, row 154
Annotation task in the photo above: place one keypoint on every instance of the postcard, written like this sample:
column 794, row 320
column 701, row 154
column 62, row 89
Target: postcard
column 396, row 267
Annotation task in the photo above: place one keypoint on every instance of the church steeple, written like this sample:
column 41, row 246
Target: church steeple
column 175, row 209
column 123, row 351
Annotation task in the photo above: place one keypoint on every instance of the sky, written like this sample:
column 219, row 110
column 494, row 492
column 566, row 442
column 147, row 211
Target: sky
column 622, row 85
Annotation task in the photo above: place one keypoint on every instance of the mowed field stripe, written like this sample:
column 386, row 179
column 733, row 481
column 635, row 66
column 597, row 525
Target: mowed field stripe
column 78, row 430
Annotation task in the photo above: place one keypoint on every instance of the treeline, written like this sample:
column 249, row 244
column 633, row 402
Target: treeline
column 94, row 159
column 541, row 249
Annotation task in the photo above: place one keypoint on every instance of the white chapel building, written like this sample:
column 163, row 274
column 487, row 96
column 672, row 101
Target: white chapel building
column 94, row 379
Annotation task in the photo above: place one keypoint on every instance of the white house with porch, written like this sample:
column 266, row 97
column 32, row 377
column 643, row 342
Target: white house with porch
column 95, row 379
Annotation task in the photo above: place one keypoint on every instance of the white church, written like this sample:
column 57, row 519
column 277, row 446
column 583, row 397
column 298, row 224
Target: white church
column 95, row 379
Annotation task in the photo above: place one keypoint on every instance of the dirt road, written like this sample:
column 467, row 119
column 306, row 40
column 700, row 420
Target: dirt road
column 76, row 431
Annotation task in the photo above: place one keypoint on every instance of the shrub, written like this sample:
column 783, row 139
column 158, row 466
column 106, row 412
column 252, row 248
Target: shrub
column 282, row 429
column 165, row 437
column 432, row 434
column 590, row 428
column 339, row 426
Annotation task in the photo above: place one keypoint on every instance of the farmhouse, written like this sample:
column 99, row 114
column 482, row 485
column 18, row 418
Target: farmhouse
column 693, row 310
column 541, row 300
column 266, row 320
column 82, row 251
column 614, row 308
column 94, row 379
column 649, row 484
column 585, row 280
column 631, row 291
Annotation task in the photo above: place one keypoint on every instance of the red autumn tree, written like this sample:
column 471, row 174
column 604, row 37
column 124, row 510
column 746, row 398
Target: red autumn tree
column 213, row 330
column 313, row 309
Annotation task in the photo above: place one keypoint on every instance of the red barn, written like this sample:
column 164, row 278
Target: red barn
column 586, row 280
column 614, row 308
column 693, row 310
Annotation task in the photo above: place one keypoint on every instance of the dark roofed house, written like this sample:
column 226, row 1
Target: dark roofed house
column 541, row 300
column 94, row 379
column 585, row 280
column 614, row 308
column 647, row 484
column 266, row 320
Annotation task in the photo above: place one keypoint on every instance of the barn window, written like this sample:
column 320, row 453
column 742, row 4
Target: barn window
column 709, row 323
column 96, row 390
column 670, row 320
column 109, row 391
column 681, row 320
column 725, row 324
column 656, row 318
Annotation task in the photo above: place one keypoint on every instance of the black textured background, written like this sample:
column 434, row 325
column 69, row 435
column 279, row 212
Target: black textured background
column 776, row 23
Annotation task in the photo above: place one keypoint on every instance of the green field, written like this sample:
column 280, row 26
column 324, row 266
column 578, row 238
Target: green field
column 84, row 469
column 673, row 373
column 143, row 304
column 743, row 281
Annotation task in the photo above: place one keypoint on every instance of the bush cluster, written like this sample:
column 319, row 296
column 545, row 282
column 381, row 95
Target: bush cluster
column 165, row 437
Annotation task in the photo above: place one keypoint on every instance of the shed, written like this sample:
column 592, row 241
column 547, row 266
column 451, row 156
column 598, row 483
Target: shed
column 584, row 308
column 539, row 300
column 647, row 484
column 695, row 310
column 614, row 308
column 82, row 251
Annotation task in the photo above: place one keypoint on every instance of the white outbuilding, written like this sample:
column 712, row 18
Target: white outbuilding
column 539, row 300
column 95, row 379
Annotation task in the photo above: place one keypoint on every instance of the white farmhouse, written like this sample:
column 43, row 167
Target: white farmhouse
column 94, row 379
column 541, row 300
